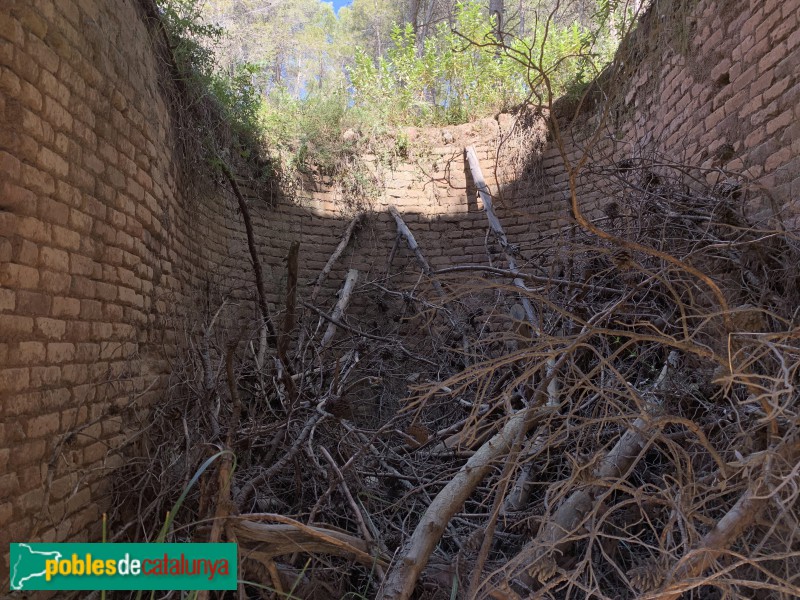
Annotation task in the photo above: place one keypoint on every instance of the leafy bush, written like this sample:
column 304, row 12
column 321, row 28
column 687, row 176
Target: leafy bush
column 462, row 72
column 192, row 43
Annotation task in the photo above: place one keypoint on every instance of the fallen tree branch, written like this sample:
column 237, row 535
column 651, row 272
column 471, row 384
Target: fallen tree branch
column 288, row 536
column 500, row 235
column 747, row 509
column 341, row 306
column 406, row 568
column 366, row 335
column 343, row 243
column 535, row 560
column 355, row 508
column 405, row 232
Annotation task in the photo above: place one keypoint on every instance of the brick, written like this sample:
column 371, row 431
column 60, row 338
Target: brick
column 43, row 55
column 33, row 229
column 784, row 28
column 78, row 331
column 33, row 303
column 60, row 352
column 65, row 238
column 74, row 374
column 38, row 427
column 37, row 181
column 780, row 122
column 17, row 199
column 755, row 137
column 31, row 477
column 768, row 25
column 52, row 162
column 80, row 222
column 6, row 249
column 10, row 166
column 53, row 211
column 9, row 485
column 82, row 287
column 18, row 276
column 781, row 157
column 83, row 265
column 772, row 57
column 762, row 83
column 14, row 380
column 9, row 82
column 55, row 283
column 776, row 90
column 65, row 307
column 54, row 258
column 11, row 30
column 91, row 310
column 8, row 300
column 57, row 115
column 51, row 328
column 794, row 40
column 27, row 253
column 30, row 352
column 106, row 291
column 6, row 512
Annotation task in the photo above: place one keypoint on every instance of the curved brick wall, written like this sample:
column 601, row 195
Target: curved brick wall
column 95, row 246
column 720, row 90
column 105, row 256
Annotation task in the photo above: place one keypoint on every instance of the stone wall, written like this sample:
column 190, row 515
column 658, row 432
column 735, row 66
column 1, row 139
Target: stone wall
column 97, row 248
column 108, row 257
column 714, row 86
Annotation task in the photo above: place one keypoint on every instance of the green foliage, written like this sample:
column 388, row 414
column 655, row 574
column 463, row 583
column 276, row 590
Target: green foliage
column 307, row 132
column 192, row 43
column 462, row 72
column 298, row 75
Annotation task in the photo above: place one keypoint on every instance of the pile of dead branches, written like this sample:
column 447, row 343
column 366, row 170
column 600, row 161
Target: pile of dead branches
column 606, row 412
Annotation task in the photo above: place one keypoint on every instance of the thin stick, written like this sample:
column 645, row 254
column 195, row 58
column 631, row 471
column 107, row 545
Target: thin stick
column 251, row 245
column 356, row 510
column 405, row 232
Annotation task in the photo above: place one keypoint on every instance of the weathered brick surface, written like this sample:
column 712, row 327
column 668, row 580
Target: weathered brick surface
column 106, row 254
column 731, row 86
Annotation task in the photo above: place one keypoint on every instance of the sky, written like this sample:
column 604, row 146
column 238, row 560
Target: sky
column 337, row 4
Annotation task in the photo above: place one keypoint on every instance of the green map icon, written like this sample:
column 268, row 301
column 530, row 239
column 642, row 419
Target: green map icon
column 28, row 564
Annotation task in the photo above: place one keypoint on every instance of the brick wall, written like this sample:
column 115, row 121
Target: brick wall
column 107, row 255
column 716, row 88
column 101, row 256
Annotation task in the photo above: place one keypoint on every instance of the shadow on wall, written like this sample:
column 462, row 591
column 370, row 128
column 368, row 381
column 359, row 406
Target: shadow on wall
column 710, row 93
